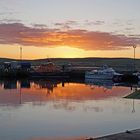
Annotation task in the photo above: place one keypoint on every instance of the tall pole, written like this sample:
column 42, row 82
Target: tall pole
column 20, row 53
column 134, row 47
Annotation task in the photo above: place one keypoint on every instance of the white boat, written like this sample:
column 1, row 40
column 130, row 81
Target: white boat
column 137, row 74
column 104, row 73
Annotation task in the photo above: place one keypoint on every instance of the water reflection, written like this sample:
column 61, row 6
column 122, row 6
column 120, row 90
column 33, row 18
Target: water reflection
column 133, row 99
column 14, row 92
column 53, row 108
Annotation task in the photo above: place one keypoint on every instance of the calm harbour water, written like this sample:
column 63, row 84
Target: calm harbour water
column 33, row 110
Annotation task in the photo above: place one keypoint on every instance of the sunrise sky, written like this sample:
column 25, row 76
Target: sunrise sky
column 69, row 28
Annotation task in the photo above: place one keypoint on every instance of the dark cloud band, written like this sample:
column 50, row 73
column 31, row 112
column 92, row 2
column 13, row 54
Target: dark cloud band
column 17, row 33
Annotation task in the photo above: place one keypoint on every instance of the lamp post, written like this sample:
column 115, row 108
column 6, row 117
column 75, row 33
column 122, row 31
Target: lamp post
column 20, row 53
column 134, row 47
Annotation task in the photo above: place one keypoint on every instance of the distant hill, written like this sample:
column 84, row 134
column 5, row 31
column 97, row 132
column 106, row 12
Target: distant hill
column 117, row 63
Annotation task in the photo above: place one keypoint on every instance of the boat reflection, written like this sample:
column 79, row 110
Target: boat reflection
column 107, row 84
column 10, row 84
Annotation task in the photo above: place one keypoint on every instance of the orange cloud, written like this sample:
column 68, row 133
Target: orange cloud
column 17, row 33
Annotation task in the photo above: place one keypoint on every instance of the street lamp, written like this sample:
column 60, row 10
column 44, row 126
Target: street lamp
column 20, row 53
column 134, row 47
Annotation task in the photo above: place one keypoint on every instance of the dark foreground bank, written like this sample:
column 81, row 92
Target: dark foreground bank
column 128, row 135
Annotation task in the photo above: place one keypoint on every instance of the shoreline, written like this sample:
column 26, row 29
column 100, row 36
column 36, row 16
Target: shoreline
column 127, row 135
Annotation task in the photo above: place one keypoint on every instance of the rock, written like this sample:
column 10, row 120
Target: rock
column 89, row 138
column 129, row 132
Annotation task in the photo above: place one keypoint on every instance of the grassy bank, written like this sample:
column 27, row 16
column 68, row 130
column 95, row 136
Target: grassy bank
column 134, row 95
